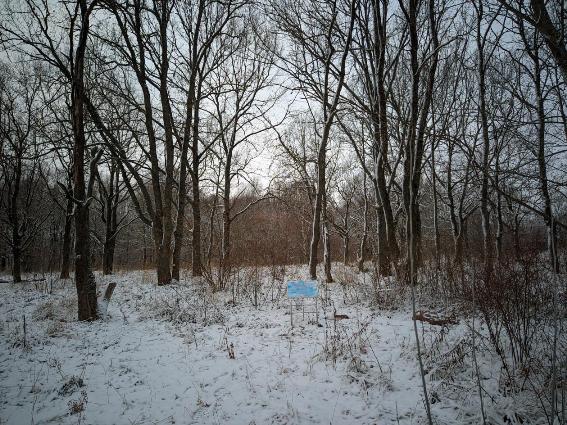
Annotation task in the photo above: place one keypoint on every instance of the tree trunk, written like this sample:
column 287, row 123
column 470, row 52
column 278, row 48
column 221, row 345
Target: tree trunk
column 315, row 236
column 212, row 214
column 178, row 238
column 362, row 247
column 457, row 219
column 84, row 278
column 226, row 220
column 553, row 36
column 191, row 132
column 517, row 249
column 435, row 206
column 542, row 163
column 327, row 253
column 413, row 227
column 197, row 267
column 419, row 123
column 499, row 226
column 179, row 233
column 144, row 250
column 110, row 219
column 499, row 219
column 226, row 233
column 326, row 242
column 458, row 245
column 389, row 249
column 66, row 249
column 317, row 210
column 346, row 234
column 17, row 264
column 15, row 223
column 108, row 256
column 168, row 123
column 384, row 268
column 388, row 244
column 163, row 266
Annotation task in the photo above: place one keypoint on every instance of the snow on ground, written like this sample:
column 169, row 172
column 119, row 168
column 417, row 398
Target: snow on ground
column 163, row 355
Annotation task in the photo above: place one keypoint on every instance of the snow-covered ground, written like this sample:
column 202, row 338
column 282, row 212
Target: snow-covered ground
column 164, row 355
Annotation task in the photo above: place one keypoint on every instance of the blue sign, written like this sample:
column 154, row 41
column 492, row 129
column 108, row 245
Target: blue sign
column 302, row 289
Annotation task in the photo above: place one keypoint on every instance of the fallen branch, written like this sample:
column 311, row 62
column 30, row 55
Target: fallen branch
column 424, row 316
column 23, row 280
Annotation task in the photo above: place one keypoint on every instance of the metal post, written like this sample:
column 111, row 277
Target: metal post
column 291, row 311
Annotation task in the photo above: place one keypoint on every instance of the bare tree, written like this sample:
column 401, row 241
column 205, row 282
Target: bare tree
column 533, row 50
column 347, row 191
column 205, row 26
column 21, row 183
column 549, row 19
column 418, row 119
column 243, row 96
column 32, row 30
column 320, row 41
column 482, row 34
column 376, row 70
column 110, row 198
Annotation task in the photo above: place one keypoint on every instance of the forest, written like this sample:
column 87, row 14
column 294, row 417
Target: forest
column 169, row 169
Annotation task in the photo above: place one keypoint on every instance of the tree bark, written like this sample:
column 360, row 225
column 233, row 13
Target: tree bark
column 110, row 217
column 458, row 243
column 66, row 247
column 144, row 251
column 17, row 264
column 326, row 242
column 499, row 219
column 226, row 219
column 327, row 253
column 197, row 266
column 517, row 249
column 364, row 237
column 384, row 268
column 389, row 248
column 346, row 244
column 435, row 205
column 84, row 278
column 108, row 257
column 14, row 220
column 211, row 229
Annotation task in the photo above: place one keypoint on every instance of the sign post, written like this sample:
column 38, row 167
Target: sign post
column 301, row 289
